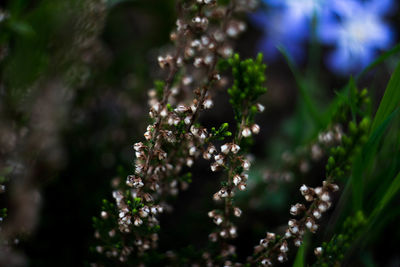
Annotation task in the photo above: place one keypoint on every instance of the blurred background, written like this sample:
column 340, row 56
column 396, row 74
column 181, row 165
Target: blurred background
column 73, row 94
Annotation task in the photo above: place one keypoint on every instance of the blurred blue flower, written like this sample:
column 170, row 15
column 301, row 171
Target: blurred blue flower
column 276, row 33
column 355, row 28
column 287, row 24
column 358, row 33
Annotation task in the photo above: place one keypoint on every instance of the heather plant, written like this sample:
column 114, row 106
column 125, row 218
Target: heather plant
column 128, row 230
column 207, row 167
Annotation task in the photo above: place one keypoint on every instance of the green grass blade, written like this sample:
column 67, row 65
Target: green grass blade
column 300, row 256
column 390, row 100
column 390, row 193
column 380, row 60
column 364, row 159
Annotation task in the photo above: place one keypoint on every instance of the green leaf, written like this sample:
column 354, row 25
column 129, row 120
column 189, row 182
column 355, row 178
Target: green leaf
column 300, row 257
column 363, row 160
column 390, row 193
column 390, row 100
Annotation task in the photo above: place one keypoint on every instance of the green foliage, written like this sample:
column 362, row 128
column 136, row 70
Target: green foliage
column 3, row 213
column 334, row 251
column 187, row 177
column 390, row 193
column 300, row 259
column 352, row 105
column 341, row 157
column 159, row 87
column 390, row 100
column 221, row 133
column 248, row 86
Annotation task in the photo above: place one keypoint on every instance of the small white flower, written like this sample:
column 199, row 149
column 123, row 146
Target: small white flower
column 188, row 120
column 147, row 135
column 164, row 113
column 255, row 128
column 222, row 193
column 208, row 59
column 304, row 189
column 281, row 258
column 211, row 149
column 104, row 214
column 318, row 251
column 225, row 148
column 218, row 220
column 293, row 210
column 235, row 148
column 138, row 221
column 325, row 197
column 297, row 242
column 246, row 132
column 246, row 165
column 180, row 109
column 196, row 20
column 206, row 155
column 192, row 151
column 219, row 159
column 284, row 247
column 237, row 212
column 197, row 62
column 194, row 130
column 232, row 31
column 288, row 234
column 260, row 107
column 223, row 233
column 189, row 162
column 232, row 231
column 137, row 146
column 208, row 103
column 214, row 167
column 237, row 179
column 242, row 186
column 317, row 214
column 322, row 207
column 203, row 135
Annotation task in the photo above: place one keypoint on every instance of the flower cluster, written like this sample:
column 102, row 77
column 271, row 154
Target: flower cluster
column 343, row 146
column 356, row 29
column 273, row 248
column 248, row 86
column 175, row 139
column 332, row 252
column 320, row 198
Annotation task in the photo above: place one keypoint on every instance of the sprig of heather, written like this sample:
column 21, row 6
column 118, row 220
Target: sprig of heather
column 301, row 160
column 174, row 139
column 248, row 86
column 274, row 248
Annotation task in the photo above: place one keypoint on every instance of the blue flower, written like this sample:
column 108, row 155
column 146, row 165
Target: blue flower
column 358, row 32
column 355, row 28
column 278, row 31
column 287, row 24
